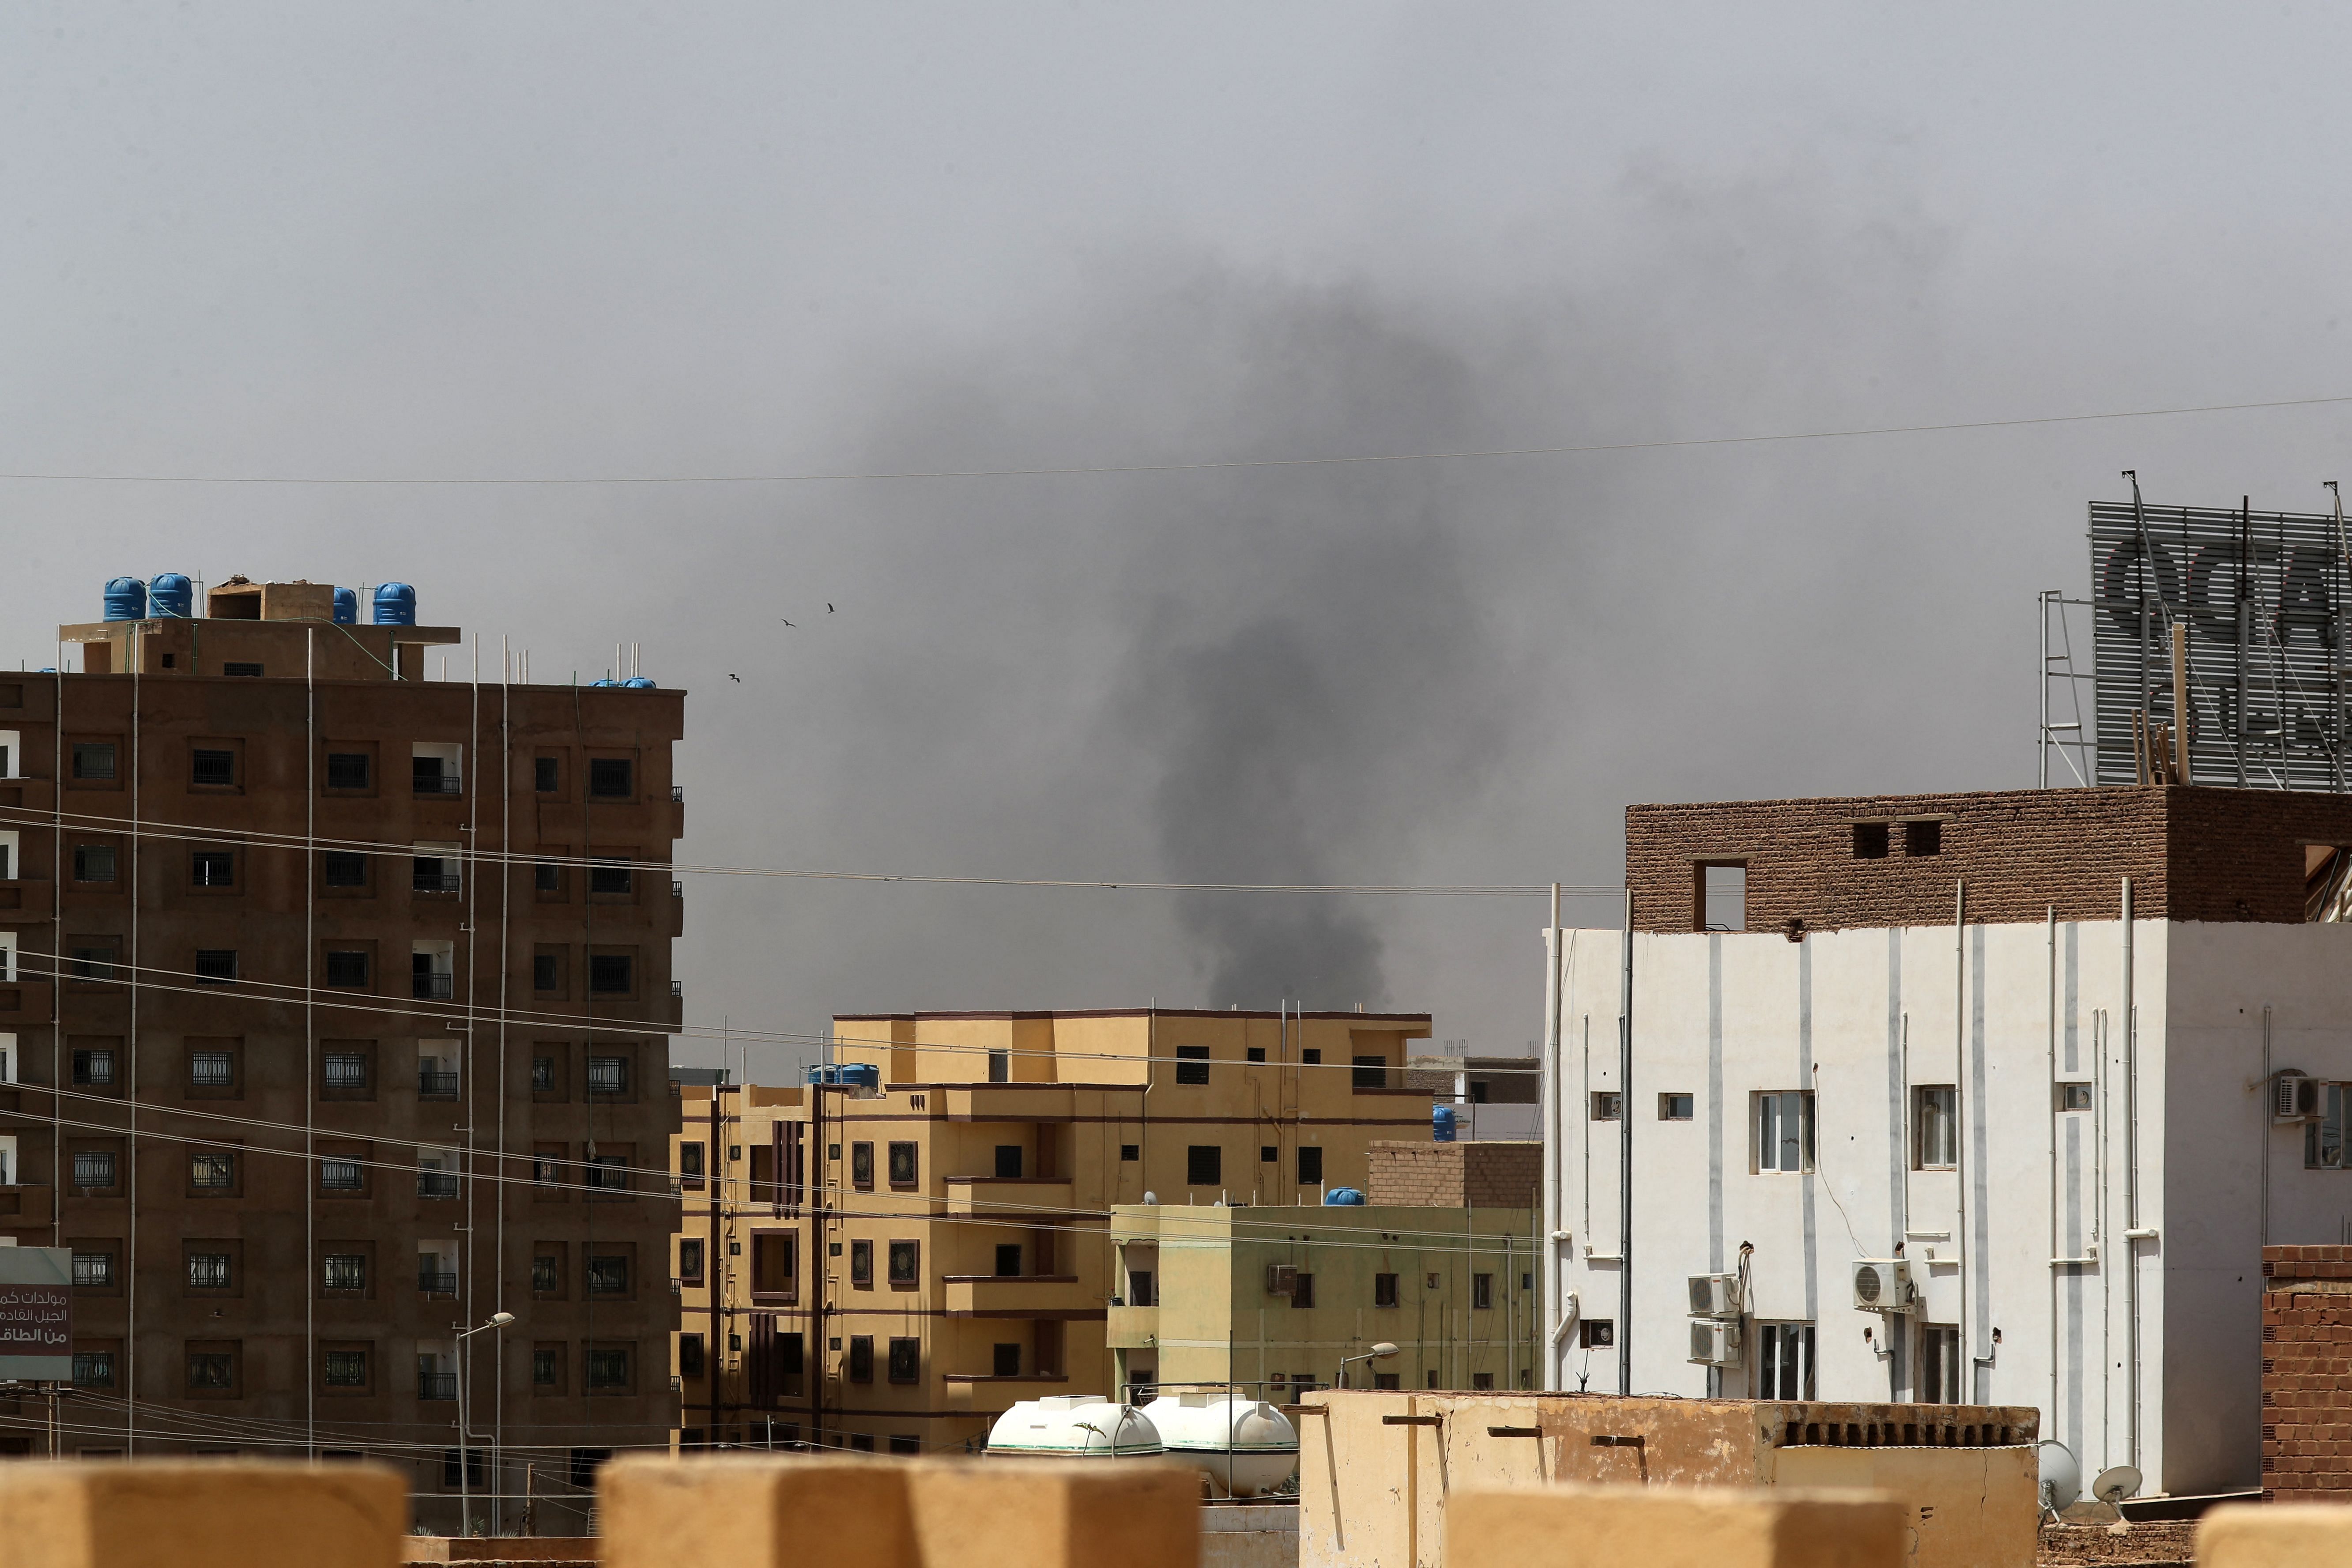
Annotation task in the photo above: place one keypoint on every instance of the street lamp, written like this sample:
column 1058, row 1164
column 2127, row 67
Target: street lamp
column 1380, row 1351
column 466, row 1433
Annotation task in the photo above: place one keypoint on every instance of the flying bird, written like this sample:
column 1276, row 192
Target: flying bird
column 787, row 623
column 828, row 609
column 733, row 677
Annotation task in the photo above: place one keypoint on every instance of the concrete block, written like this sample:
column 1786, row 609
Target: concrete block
column 202, row 1513
column 1039, row 1513
column 656, row 1510
column 2273, row 1535
column 1599, row 1527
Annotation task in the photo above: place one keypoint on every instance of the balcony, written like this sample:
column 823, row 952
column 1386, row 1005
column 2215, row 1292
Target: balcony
column 437, row 1385
column 437, row 882
column 432, row 1282
column 1019, row 1296
column 433, row 1085
column 438, row 785
column 432, row 987
column 436, row 1183
column 1132, row 1327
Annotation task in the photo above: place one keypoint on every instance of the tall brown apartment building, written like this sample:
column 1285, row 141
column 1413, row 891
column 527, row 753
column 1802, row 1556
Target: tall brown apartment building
column 892, row 1260
column 334, row 1013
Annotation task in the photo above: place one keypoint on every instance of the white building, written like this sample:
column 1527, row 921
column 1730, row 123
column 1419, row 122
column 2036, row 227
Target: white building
column 1912, row 1043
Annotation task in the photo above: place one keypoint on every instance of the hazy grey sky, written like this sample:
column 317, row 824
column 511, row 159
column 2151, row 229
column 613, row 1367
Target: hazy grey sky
column 576, row 240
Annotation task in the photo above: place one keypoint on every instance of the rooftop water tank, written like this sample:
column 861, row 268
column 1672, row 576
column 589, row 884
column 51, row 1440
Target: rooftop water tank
column 606, row 681
column 1343, row 1198
column 1247, row 1446
column 859, row 1075
column 347, row 606
column 1440, row 1124
column 1073, row 1426
column 639, row 683
column 395, row 604
column 126, row 599
column 172, row 594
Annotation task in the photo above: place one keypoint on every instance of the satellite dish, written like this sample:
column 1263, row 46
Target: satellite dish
column 2115, row 1484
column 2062, row 1475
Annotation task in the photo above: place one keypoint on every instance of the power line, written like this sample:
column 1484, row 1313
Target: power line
column 1209, row 466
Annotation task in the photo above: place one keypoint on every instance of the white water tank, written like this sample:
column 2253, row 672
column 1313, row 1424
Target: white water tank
column 1073, row 1426
column 1245, row 1446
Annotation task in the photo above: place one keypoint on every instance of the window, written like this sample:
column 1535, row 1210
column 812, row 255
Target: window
column 211, row 769
column 1140, row 1287
column 999, row 1067
column 346, row 1069
column 347, row 1369
column 608, row 974
column 905, row 1360
column 546, row 1367
column 690, row 1356
column 608, row 1368
column 1007, row 1361
column 1384, row 1290
column 906, row 1262
column 1311, row 1057
column 1008, row 1160
column 211, row 1070
column 546, row 1169
column 861, row 1167
column 1310, row 1165
column 1940, row 1364
column 212, row 1172
column 93, row 1168
column 1129, row 1153
column 608, row 876
column 689, row 1260
column 545, row 778
column 861, row 1358
column 339, row 1176
column 1870, row 841
column 1595, row 1333
column 1256, row 1053
column 1204, row 1165
column 434, row 775
column 1369, row 1072
column 2074, row 1097
column 93, row 758
column 349, row 969
column 93, row 1369
column 216, row 965
column 1784, row 1360
column 1784, row 1130
column 546, row 971
column 1723, row 897
column 1481, row 1290
column 213, row 1370
column 609, row 778
column 1008, row 1260
column 1303, row 1293
column 347, row 770
column 212, row 868
column 344, row 1271
column 542, row 1075
column 608, row 1173
column 906, row 1444
column 904, row 1166
column 241, row 666
column 93, row 1270
column 93, row 863
column 208, row 1270
column 1934, row 1127
column 94, row 1068
column 1482, row 1380
column 546, row 1273
column 1922, row 839
column 92, row 962
column 861, row 1264
column 608, row 1275
column 1608, row 1105
column 690, row 1164
column 608, row 1075
column 1269, row 1154
column 2323, row 1139
column 343, row 868
column 1192, row 1064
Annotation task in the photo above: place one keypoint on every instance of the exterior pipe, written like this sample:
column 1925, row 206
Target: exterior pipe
column 2050, row 1418
column 1960, row 1107
column 1625, row 1162
column 2132, row 1231
column 2099, row 1232
column 1548, row 1287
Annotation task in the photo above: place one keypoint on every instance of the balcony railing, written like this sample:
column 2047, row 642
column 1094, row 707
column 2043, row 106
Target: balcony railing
column 437, row 882
column 676, row 890
column 437, row 1385
column 677, row 793
column 436, row 1085
column 677, row 987
column 436, row 1183
column 431, row 1283
column 439, row 783
column 432, row 987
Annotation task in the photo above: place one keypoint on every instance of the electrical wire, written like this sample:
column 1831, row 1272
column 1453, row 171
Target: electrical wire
column 1204, row 466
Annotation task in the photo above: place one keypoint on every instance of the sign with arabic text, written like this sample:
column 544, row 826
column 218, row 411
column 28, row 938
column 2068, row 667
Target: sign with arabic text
column 36, row 1314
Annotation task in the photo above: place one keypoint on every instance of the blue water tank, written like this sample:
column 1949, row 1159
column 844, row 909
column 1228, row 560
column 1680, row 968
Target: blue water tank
column 395, row 604
column 608, row 680
column 347, row 606
column 172, row 595
column 1343, row 1198
column 639, row 683
column 126, row 599
column 856, row 1075
column 1440, row 1124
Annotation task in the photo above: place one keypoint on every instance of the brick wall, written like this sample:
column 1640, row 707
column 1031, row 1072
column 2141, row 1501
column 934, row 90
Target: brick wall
column 2192, row 853
column 2307, row 1373
column 1491, row 1174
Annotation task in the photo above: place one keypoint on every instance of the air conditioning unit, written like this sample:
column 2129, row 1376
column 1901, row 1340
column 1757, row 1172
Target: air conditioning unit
column 1715, row 1343
column 1883, row 1285
column 1715, row 1295
column 2295, row 1098
column 1282, row 1278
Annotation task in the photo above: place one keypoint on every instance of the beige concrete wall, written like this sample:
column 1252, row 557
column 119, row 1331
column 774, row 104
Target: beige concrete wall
column 1964, row 1508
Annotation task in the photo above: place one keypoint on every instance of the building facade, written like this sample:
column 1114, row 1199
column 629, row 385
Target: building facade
column 891, row 1267
column 2070, row 1058
column 333, row 1015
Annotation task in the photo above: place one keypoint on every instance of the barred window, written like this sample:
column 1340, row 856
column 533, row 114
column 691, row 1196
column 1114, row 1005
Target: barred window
column 542, row 1070
column 608, row 1275
column 93, row 1369
column 93, row 1269
column 347, row 1369
column 609, row 778
column 608, row 1173
column 347, row 770
column 216, row 965
column 608, row 1368
column 94, row 1067
column 347, row 969
column 609, row 973
column 212, row 1172
column 93, row 758
column 212, row 867
column 346, row 1069
column 211, row 1070
column 546, row 1366
column 1192, row 1064
column 208, row 1270
column 343, row 868
column 906, row 1262
column 544, row 1270
column 346, row 1271
column 906, row 1360
column 608, row 1075
column 339, row 1176
column 211, row 1370
column 608, row 876
column 92, row 964
column 93, row 1168
column 904, row 1167
column 93, row 863
column 211, row 768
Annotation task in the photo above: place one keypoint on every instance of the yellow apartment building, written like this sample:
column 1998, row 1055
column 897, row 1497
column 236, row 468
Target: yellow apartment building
column 889, row 1261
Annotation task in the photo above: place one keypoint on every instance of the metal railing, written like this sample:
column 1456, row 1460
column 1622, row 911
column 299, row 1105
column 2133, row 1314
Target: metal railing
column 440, row 1084
column 677, row 987
column 436, row 1185
column 676, row 890
column 432, row 987
column 432, row 1283
column 437, row 882
column 677, row 794
column 438, row 784
column 437, row 1385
